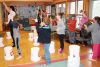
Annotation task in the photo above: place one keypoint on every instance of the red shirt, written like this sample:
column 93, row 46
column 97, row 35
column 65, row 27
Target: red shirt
column 72, row 25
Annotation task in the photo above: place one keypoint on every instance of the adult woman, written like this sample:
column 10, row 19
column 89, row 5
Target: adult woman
column 95, row 31
column 61, row 30
column 11, row 11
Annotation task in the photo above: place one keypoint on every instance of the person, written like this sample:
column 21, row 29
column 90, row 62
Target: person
column 84, row 19
column 12, row 14
column 61, row 31
column 16, row 35
column 44, row 37
column 95, row 32
column 71, row 29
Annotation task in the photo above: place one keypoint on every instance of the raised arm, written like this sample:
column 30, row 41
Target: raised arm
column 7, row 8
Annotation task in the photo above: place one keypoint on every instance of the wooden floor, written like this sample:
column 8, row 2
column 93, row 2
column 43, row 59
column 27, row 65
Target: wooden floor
column 26, row 46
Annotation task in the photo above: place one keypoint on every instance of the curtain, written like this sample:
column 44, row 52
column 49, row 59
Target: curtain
column 86, row 6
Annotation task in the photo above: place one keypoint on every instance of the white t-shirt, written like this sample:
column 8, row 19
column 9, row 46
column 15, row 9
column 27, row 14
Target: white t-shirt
column 61, row 27
column 11, row 16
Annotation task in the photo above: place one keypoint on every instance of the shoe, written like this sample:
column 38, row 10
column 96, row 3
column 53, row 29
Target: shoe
column 43, row 57
column 92, row 60
column 13, row 45
column 48, row 63
column 60, row 51
column 19, row 57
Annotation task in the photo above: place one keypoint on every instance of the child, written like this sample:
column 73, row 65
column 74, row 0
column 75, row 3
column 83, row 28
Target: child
column 44, row 36
column 95, row 32
column 16, row 35
column 61, row 30
column 12, row 14
column 83, row 20
column 71, row 28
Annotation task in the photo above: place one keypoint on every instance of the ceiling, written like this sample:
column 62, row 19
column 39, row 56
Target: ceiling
column 31, row 2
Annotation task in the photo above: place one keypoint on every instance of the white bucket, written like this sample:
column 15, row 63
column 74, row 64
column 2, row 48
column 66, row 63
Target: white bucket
column 34, row 54
column 52, row 47
column 31, row 37
column 73, row 61
column 8, row 53
column 1, row 42
column 74, row 56
column 74, row 50
column 8, row 35
column 35, row 33
column 33, row 27
column 35, row 39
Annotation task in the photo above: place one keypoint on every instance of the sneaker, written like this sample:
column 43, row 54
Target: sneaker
column 19, row 57
column 43, row 57
column 60, row 51
column 92, row 60
column 13, row 45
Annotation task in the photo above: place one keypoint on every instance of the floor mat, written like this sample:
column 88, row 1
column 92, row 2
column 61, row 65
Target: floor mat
column 56, row 64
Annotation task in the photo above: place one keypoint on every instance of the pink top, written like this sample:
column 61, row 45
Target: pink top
column 83, row 20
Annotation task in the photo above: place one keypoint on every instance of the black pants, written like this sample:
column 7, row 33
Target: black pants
column 61, row 38
column 11, row 31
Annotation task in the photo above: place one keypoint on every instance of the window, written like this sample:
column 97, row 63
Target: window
column 60, row 8
column 80, row 6
column 48, row 10
column 72, row 8
column 57, row 8
column 63, row 8
column 96, row 8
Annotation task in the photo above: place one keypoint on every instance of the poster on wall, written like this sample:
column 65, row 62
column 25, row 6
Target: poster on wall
column 27, row 12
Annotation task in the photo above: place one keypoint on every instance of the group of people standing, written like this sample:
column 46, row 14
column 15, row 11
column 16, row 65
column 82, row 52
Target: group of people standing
column 44, row 31
column 43, row 27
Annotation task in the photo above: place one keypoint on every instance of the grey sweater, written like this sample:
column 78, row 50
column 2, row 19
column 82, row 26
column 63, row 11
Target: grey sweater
column 95, row 31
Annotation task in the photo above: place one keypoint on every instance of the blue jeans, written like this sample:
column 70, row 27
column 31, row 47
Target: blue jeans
column 61, row 38
column 47, row 53
column 17, row 44
column 71, row 37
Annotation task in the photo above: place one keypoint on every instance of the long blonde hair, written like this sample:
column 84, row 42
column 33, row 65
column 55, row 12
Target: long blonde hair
column 46, row 20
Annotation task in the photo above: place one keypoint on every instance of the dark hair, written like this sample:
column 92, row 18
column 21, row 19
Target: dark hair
column 97, row 18
column 83, row 12
column 61, row 14
column 12, row 7
column 73, row 15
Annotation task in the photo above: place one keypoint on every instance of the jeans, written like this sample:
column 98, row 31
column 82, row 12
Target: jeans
column 61, row 38
column 71, row 37
column 11, row 32
column 47, row 53
column 17, row 44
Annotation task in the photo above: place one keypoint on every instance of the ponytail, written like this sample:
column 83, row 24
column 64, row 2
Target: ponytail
column 97, row 19
column 13, row 8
